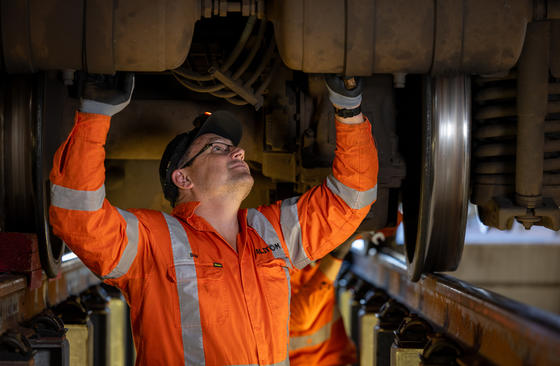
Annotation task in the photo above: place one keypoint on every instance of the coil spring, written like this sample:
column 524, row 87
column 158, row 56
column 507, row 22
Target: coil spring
column 247, row 83
column 494, row 139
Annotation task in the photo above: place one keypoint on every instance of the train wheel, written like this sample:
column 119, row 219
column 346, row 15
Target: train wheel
column 28, row 159
column 435, row 229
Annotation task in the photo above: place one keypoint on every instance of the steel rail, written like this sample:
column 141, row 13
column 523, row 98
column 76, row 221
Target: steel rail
column 499, row 329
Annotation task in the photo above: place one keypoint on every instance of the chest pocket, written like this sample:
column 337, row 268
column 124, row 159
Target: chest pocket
column 202, row 290
column 274, row 277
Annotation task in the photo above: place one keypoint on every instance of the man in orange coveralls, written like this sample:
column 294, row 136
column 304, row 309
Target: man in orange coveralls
column 208, row 284
column 317, row 334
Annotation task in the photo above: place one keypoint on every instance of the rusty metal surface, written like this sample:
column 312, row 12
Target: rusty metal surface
column 502, row 331
column 404, row 32
column 153, row 35
column 15, row 36
column 388, row 36
column 42, row 35
column 360, row 32
column 310, row 34
column 100, row 36
column 56, row 29
column 18, row 302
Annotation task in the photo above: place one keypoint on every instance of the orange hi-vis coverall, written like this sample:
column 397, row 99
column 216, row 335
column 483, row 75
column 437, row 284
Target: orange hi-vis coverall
column 317, row 334
column 193, row 299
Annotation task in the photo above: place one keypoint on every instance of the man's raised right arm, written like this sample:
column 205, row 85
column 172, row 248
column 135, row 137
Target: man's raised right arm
column 104, row 237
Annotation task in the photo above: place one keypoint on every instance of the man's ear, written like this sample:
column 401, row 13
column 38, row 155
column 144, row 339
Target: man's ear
column 181, row 180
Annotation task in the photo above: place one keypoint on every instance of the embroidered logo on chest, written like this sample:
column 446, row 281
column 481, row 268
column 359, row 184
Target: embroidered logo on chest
column 268, row 249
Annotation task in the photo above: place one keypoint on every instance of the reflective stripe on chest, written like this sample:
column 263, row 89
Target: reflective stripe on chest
column 187, row 289
column 264, row 228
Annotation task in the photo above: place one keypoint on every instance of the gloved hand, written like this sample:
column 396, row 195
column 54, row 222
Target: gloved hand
column 106, row 94
column 344, row 91
column 343, row 249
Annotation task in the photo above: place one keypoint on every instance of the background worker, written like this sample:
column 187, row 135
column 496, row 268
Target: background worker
column 317, row 334
column 208, row 284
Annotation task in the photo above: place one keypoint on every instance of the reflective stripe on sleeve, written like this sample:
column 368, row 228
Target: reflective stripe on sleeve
column 321, row 335
column 131, row 246
column 264, row 228
column 187, row 289
column 353, row 198
column 289, row 221
column 73, row 199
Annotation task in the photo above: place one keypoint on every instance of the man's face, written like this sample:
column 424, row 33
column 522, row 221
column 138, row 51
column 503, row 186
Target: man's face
column 220, row 168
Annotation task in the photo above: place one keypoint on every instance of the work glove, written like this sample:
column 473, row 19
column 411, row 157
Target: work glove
column 341, row 251
column 107, row 94
column 344, row 91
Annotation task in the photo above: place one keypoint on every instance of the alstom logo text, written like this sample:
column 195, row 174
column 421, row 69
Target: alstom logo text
column 267, row 249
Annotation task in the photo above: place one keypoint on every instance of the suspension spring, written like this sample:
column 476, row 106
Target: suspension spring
column 494, row 139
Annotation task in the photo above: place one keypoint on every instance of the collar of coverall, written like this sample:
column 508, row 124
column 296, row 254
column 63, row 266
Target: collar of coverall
column 185, row 211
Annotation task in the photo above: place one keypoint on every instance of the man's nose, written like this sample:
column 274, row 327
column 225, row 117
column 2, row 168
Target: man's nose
column 238, row 153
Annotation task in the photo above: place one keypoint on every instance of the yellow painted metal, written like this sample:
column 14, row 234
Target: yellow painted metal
column 405, row 356
column 368, row 321
column 279, row 165
column 80, row 337
column 117, row 332
column 345, row 306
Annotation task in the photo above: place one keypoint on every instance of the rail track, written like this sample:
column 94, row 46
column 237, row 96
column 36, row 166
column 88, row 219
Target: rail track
column 480, row 326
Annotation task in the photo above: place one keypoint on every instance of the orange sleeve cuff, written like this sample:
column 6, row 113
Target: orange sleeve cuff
column 94, row 127
column 356, row 162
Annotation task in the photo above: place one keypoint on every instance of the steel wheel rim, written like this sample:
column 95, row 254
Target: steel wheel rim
column 444, row 184
column 27, row 167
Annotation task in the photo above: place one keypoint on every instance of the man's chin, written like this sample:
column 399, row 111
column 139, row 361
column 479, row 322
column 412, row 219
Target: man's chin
column 247, row 180
column 242, row 175
column 242, row 183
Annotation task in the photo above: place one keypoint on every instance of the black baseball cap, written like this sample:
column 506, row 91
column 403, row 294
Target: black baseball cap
column 222, row 123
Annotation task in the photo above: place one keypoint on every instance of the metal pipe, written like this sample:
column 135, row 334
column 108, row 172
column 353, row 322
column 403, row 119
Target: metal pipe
column 265, row 83
column 237, row 101
column 532, row 100
column 224, row 94
column 240, row 44
column 198, row 88
column 262, row 65
column 187, row 74
column 253, row 53
column 241, row 90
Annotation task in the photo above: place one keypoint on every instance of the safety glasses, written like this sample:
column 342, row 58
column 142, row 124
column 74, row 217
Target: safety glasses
column 215, row 148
